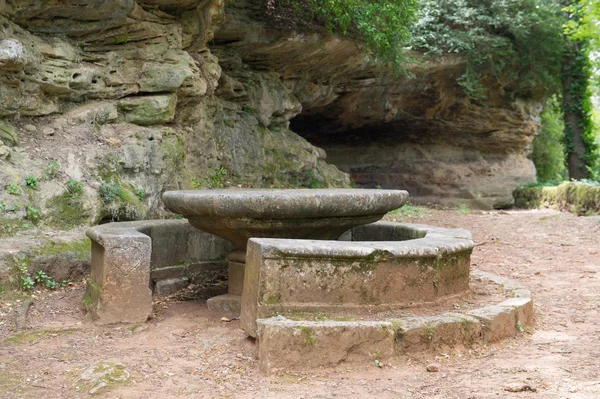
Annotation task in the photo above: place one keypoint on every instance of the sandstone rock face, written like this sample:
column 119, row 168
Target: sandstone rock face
column 421, row 133
column 126, row 97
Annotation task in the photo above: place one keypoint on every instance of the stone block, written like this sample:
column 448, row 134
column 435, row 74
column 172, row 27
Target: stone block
column 498, row 322
column 523, row 308
column 169, row 286
column 226, row 304
column 417, row 333
column 316, row 276
column 118, row 289
column 307, row 345
column 149, row 110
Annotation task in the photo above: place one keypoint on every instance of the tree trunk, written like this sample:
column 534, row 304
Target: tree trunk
column 575, row 78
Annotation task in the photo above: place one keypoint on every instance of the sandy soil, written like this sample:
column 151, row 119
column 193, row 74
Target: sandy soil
column 187, row 352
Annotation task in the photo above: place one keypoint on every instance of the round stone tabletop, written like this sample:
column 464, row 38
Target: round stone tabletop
column 284, row 203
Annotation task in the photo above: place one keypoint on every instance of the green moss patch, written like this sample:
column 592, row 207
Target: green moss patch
column 65, row 213
column 27, row 336
column 576, row 197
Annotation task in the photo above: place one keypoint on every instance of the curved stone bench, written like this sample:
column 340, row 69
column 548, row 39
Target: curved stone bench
column 384, row 265
column 131, row 259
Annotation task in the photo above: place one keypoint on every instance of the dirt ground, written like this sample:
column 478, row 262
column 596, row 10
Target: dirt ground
column 187, row 352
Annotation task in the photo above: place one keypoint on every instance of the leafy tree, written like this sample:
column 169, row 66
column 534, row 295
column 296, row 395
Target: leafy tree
column 548, row 147
column 581, row 33
column 517, row 43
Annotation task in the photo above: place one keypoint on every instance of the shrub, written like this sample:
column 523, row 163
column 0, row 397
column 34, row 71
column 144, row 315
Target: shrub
column 109, row 191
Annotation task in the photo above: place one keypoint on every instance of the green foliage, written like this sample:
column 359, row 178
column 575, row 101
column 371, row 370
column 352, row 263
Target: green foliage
column 582, row 198
column 506, row 41
column 75, row 188
column 42, row 278
column 312, row 180
column 13, row 189
column 463, row 208
column 548, row 148
column 383, row 25
column 52, row 170
column 577, row 74
column 217, row 179
column 32, row 214
column 140, row 193
column 196, row 183
column 409, row 211
column 110, row 191
column 32, row 182
column 25, row 280
column 2, row 207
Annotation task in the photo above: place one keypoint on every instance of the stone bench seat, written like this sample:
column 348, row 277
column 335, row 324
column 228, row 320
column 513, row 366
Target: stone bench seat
column 131, row 259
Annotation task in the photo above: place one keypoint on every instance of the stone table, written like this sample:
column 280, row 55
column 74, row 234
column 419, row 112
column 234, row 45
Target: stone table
column 239, row 214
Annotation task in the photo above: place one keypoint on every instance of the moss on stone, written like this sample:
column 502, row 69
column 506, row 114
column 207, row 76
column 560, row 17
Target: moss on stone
column 64, row 212
column 26, row 336
column 92, row 295
column 80, row 249
column 309, row 336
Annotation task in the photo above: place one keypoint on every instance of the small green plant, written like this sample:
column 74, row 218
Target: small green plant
column 463, row 208
column 2, row 207
column 75, row 188
column 309, row 336
column 13, row 189
column 25, row 280
column 409, row 211
column 428, row 333
column 313, row 180
column 32, row 181
column 52, row 170
column 109, row 191
column 140, row 193
column 196, row 184
column 246, row 109
column 217, row 180
column 122, row 39
column 42, row 278
column 32, row 214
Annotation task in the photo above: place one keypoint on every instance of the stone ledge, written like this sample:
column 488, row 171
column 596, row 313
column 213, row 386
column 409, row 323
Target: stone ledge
column 297, row 345
column 290, row 345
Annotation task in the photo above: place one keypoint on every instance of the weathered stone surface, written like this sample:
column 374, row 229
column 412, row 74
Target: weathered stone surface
column 449, row 330
column 124, row 256
column 420, row 133
column 169, row 286
column 100, row 113
column 498, row 321
column 286, row 345
column 238, row 215
column 305, row 275
column 118, row 289
column 149, row 110
column 8, row 134
column 68, row 69
column 304, row 345
column 226, row 304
